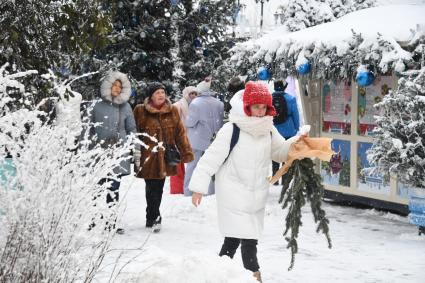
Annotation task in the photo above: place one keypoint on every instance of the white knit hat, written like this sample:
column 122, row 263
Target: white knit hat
column 205, row 85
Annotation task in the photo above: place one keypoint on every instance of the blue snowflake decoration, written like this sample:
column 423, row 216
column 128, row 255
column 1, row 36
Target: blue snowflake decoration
column 174, row 2
column 230, row 44
column 304, row 68
column 263, row 74
column 135, row 20
column 197, row 43
column 365, row 78
column 206, row 52
column 204, row 10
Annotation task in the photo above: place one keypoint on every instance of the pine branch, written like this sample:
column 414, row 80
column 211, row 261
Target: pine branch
column 302, row 184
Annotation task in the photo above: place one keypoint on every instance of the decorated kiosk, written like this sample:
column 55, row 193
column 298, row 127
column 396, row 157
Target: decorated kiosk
column 343, row 68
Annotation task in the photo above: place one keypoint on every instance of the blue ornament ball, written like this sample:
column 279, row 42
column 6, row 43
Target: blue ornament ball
column 174, row 2
column 204, row 10
column 197, row 43
column 365, row 78
column 263, row 73
column 304, row 68
column 135, row 20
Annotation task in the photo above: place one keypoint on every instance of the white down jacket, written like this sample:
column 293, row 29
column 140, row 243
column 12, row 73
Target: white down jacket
column 242, row 186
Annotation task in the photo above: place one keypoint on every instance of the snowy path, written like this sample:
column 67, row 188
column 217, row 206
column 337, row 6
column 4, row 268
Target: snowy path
column 368, row 246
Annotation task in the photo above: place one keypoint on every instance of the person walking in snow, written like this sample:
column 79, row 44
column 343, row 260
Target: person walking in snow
column 116, row 119
column 166, row 146
column 287, row 119
column 205, row 118
column 241, row 172
column 189, row 94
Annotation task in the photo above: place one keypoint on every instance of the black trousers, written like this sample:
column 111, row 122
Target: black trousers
column 154, row 190
column 248, row 251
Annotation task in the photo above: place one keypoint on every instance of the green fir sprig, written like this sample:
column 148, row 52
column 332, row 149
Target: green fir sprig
column 302, row 184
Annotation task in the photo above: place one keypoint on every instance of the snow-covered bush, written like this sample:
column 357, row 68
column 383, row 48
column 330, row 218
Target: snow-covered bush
column 399, row 145
column 50, row 194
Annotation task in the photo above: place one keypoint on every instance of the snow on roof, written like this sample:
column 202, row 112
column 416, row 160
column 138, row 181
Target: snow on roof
column 374, row 36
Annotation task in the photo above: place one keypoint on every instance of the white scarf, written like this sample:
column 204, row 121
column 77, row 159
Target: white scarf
column 255, row 126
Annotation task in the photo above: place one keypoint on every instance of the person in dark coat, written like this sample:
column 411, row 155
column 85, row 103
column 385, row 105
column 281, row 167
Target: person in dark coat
column 160, row 121
column 287, row 120
column 235, row 85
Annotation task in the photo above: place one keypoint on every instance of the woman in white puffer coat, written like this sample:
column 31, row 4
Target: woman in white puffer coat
column 242, row 185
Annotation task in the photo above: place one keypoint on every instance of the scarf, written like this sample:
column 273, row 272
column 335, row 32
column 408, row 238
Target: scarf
column 254, row 126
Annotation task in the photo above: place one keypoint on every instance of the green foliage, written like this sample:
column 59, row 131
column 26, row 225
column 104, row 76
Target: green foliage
column 46, row 34
column 204, row 40
column 301, row 184
column 141, row 41
column 344, row 176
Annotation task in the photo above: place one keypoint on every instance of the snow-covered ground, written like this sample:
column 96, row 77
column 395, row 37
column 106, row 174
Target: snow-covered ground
column 368, row 246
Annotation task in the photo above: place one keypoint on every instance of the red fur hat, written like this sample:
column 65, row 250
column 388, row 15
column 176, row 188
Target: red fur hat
column 257, row 93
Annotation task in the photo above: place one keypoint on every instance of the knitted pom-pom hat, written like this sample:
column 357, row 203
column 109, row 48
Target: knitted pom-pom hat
column 257, row 93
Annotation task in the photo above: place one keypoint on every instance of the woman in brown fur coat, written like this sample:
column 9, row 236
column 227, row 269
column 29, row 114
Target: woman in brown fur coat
column 160, row 120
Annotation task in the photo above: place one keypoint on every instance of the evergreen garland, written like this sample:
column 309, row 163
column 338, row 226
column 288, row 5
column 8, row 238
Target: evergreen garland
column 327, row 61
column 302, row 184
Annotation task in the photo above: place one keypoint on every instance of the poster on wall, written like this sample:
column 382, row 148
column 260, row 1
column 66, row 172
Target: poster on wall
column 336, row 107
column 368, row 179
column 336, row 172
column 367, row 97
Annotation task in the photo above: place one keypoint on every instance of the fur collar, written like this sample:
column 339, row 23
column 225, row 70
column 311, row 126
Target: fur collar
column 105, row 88
column 164, row 109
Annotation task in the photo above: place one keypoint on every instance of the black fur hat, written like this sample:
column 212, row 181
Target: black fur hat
column 280, row 85
column 152, row 87
column 235, row 85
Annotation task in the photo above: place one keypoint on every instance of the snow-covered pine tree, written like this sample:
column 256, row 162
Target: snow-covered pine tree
column 142, row 39
column 46, row 34
column 400, row 133
column 360, row 4
column 204, row 38
column 300, row 14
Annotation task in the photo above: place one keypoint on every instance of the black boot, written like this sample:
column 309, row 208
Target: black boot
column 157, row 225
